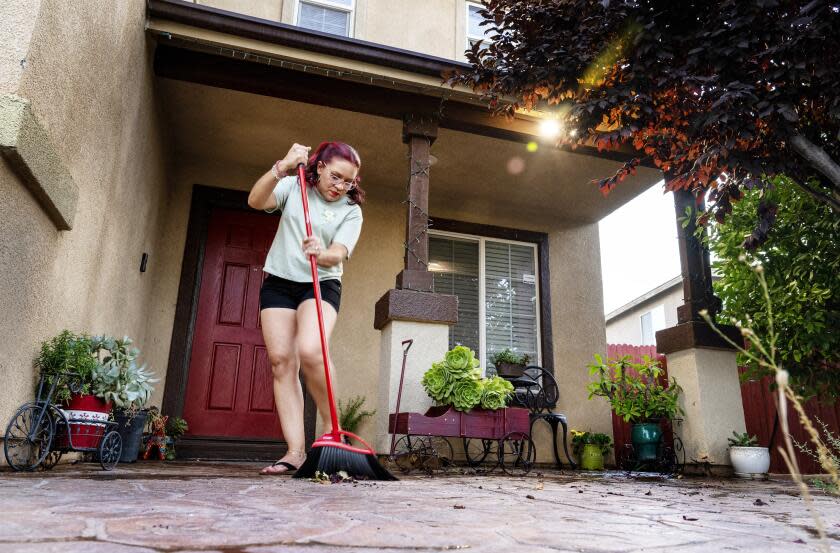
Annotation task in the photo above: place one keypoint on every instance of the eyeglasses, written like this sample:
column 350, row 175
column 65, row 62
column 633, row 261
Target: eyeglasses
column 347, row 185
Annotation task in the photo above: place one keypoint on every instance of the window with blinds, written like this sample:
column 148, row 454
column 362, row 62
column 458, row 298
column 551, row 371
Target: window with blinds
column 328, row 16
column 497, row 288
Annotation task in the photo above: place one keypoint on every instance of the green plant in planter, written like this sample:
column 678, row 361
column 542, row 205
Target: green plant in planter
column 457, row 381
column 581, row 438
column 633, row 389
column 509, row 356
column 118, row 377
column 68, row 353
column 742, row 440
column 351, row 415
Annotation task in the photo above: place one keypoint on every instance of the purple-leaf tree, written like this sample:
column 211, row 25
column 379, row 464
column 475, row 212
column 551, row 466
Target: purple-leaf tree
column 720, row 95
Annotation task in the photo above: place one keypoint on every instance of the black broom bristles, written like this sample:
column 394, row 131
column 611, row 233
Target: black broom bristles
column 333, row 459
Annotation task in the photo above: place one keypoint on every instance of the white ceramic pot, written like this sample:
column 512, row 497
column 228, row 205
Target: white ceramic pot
column 750, row 462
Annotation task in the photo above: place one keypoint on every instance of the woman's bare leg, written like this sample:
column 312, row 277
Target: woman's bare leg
column 311, row 358
column 279, row 327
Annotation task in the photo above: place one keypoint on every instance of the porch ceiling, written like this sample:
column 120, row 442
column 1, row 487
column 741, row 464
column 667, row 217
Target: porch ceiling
column 250, row 130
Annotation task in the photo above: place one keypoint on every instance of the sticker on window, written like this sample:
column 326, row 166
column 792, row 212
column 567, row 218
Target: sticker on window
column 529, row 279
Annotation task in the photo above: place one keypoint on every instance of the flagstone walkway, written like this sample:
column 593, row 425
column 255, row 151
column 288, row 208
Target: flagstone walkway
column 227, row 507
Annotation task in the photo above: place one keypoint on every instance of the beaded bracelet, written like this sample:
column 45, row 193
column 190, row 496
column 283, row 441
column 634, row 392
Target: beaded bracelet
column 274, row 171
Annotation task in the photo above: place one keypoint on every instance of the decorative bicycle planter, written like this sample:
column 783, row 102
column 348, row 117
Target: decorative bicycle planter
column 491, row 438
column 658, row 457
column 41, row 431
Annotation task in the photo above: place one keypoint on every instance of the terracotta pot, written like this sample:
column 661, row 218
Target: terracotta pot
column 86, row 415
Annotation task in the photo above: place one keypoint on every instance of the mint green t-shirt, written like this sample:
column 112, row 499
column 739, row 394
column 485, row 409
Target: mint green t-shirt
column 332, row 222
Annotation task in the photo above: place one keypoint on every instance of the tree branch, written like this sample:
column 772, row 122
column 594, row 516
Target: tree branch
column 833, row 203
column 823, row 163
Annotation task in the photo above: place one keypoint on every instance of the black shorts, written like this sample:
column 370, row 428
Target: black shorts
column 279, row 292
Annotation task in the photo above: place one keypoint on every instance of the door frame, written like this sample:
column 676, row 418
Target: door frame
column 204, row 199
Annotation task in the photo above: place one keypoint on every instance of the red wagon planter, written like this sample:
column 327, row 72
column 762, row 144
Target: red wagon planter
column 491, row 438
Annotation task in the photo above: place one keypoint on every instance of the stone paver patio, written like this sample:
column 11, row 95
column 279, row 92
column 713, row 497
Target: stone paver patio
column 227, row 507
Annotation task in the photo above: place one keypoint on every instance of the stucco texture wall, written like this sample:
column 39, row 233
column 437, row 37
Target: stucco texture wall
column 578, row 323
column 434, row 27
column 17, row 21
column 88, row 79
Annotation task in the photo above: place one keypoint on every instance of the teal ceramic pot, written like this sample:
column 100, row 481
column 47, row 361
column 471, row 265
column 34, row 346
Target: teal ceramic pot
column 646, row 438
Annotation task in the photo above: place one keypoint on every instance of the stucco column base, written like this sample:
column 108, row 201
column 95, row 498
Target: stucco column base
column 431, row 342
column 713, row 408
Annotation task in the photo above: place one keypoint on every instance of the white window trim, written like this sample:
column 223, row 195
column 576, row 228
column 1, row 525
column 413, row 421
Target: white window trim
column 351, row 23
column 482, row 330
column 642, row 339
column 659, row 307
column 470, row 37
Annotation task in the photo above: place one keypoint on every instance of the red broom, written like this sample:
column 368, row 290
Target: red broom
column 329, row 454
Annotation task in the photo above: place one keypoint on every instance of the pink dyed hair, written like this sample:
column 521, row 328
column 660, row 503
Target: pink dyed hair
column 325, row 152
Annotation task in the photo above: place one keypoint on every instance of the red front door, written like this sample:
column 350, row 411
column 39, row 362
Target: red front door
column 229, row 387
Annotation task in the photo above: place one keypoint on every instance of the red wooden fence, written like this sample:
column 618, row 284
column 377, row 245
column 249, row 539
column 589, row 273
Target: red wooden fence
column 759, row 410
column 760, row 413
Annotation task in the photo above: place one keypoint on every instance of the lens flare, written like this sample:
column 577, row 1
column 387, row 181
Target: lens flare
column 515, row 165
column 549, row 128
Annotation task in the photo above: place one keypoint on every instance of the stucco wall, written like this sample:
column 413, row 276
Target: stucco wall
column 265, row 9
column 17, row 21
column 88, row 79
column 577, row 323
column 434, row 27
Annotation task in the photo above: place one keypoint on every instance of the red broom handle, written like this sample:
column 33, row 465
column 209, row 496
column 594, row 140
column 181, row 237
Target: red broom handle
column 317, row 288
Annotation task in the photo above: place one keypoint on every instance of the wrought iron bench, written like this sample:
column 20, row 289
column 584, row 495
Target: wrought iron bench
column 536, row 390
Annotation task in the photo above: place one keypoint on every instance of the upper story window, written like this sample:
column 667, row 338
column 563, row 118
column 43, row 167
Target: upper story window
column 475, row 31
column 328, row 16
column 651, row 322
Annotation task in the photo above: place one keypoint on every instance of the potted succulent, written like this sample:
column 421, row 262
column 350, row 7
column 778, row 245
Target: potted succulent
column 175, row 428
column 119, row 379
column 67, row 362
column 457, row 381
column 508, row 364
column 636, row 395
column 590, row 448
column 748, row 459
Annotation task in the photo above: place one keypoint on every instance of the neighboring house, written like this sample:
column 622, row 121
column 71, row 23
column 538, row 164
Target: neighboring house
column 637, row 321
column 134, row 130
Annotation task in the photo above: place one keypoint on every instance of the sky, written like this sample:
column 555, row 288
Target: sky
column 638, row 247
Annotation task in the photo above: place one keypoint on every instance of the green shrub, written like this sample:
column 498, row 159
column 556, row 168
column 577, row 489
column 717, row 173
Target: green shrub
column 581, row 438
column 633, row 389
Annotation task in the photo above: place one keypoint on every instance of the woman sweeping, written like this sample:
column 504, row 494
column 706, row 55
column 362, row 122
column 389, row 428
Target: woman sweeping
column 287, row 301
